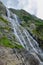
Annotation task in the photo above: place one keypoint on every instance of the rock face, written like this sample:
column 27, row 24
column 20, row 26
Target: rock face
column 14, row 56
column 2, row 9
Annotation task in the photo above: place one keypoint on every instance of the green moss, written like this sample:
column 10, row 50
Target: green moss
column 18, row 46
column 4, row 41
column 6, row 28
column 2, row 9
column 38, row 34
column 39, row 23
column 4, row 20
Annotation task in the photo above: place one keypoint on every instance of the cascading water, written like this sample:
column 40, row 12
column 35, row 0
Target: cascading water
column 24, row 37
column 17, row 31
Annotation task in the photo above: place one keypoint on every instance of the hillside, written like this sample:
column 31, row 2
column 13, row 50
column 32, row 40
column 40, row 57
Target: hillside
column 20, row 33
column 32, row 24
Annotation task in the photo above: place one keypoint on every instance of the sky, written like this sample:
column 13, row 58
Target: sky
column 34, row 7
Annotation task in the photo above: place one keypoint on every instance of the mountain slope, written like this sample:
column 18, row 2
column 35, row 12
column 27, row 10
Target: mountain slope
column 17, row 44
column 32, row 24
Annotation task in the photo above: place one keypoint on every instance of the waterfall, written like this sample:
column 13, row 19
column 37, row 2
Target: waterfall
column 17, row 31
column 23, row 36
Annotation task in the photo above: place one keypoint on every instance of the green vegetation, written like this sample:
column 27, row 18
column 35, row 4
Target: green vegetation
column 39, row 31
column 6, row 26
column 18, row 46
column 23, row 15
column 4, row 41
column 4, row 20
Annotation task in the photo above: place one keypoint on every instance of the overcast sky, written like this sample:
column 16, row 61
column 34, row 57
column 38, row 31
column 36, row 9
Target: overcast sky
column 34, row 7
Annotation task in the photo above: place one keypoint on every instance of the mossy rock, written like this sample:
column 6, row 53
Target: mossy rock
column 2, row 9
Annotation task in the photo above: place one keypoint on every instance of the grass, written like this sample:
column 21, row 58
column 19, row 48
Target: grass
column 18, row 46
column 4, row 20
column 6, row 27
column 38, row 33
column 4, row 41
